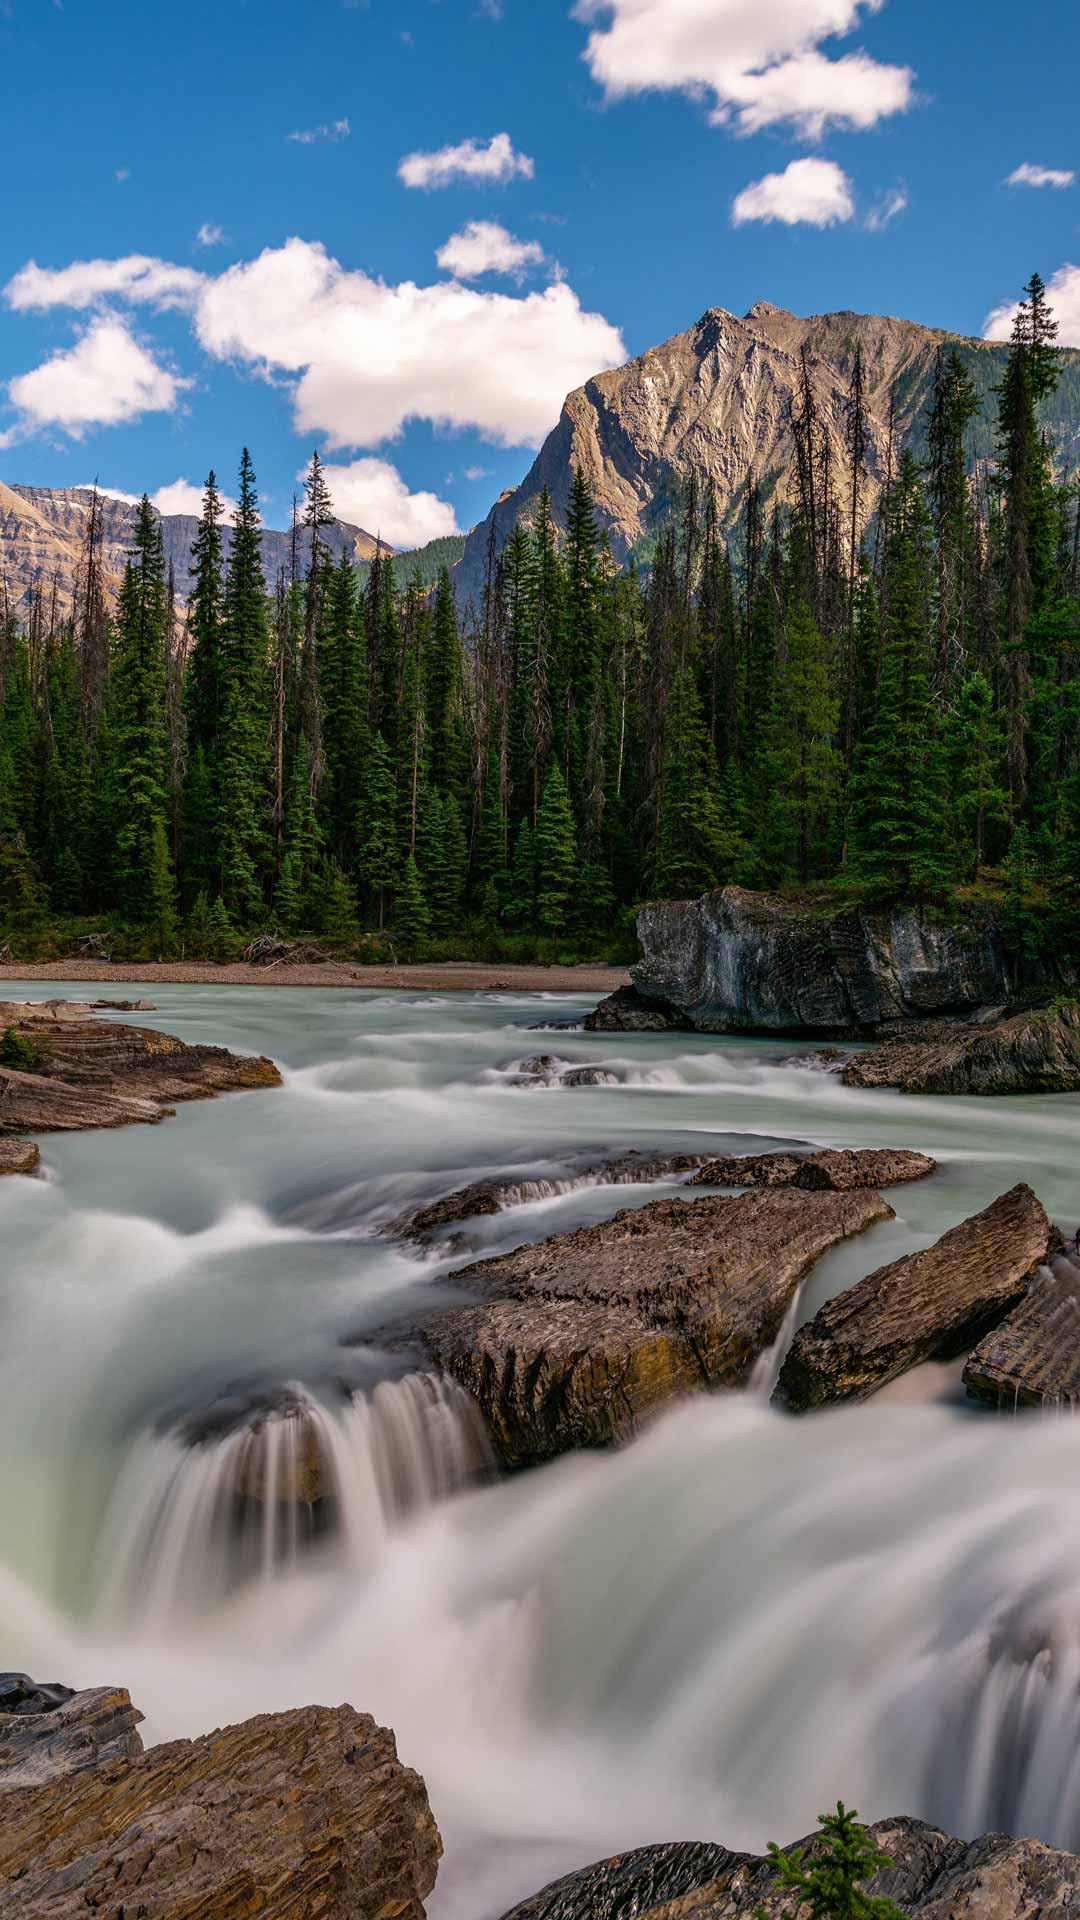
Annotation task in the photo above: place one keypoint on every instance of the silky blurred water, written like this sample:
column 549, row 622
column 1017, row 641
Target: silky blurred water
column 710, row 1634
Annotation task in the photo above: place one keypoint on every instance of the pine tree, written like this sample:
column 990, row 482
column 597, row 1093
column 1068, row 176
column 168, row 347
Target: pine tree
column 521, row 887
column 798, row 766
column 442, row 683
column 161, row 894
column 222, row 933
column 243, row 850
column 335, row 906
column 975, row 762
column 688, row 839
column 287, row 896
column 138, row 750
column 828, row 1883
column 377, row 856
column 556, row 856
column 199, row 933
column 412, row 920
column 343, row 681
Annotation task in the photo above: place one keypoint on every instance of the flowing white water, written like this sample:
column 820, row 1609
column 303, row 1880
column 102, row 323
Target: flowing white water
column 710, row 1634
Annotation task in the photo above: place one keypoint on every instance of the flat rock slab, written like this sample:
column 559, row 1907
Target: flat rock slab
column 830, row 1171
column 577, row 1340
column 289, row 1815
column 932, row 1877
column 1032, row 1359
column 97, row 1073
column 1028, row 1053
column 486, row 1197
column 926, row 1306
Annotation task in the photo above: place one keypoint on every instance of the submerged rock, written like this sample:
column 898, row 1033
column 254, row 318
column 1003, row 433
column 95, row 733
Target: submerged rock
column 577, row 1340
column 289, row 1814
column 931, row 1305
column 827, row 1171
column 1029, row 1053
column 739, row 962
column 1032, row 1359
column 75, row 1072
column 932, row 1877
column 627, row 1011
column 483, row 1198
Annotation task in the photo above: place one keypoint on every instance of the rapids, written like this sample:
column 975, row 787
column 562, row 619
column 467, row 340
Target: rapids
column 711, row 1634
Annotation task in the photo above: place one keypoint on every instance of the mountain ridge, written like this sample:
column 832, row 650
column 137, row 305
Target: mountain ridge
column 715, row 400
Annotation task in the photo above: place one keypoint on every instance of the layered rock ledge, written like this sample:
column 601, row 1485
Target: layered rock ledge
column 1032, row 1359
column 1035, row 1052
column 574, row 1342
column 70, row 1072
column 831, row 1170
column 932, row 1305
column 932, row 1877
column 287, row 1815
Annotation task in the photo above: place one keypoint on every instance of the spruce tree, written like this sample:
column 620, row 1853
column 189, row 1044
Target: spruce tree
column 243, row 850
column 556, row 856
column 137, row 794
column 412, row 920
column 377, row 856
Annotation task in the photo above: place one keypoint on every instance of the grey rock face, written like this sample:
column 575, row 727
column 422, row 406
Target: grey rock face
column 1028, row 1053
column 735, row 962
column 48, row 1732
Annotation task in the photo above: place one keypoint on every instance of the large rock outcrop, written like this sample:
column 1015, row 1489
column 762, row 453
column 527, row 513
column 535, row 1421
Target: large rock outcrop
column 48, row 1732
column 572, row 1343
column 1035, row 1052
column 76, row 1072
column 739, row 962
column 931, row 1305
column 716, row 401
column 932, row 1877
column 289, row 1815
column 830, row 1170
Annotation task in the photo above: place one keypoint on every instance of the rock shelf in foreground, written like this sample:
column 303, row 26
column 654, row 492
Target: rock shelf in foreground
column 288, row 1815
column 575, row 1341
column 1032, row 1359
column 931, row 1305
column 932, row 1877
column 82, row 1073
column 484, row 1198
column 1028, row 1053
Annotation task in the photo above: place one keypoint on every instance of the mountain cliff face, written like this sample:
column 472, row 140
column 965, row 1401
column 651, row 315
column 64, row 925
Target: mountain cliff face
column 716, row 400
column 42, row 530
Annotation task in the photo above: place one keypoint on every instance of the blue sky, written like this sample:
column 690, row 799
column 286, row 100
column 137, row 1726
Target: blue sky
column 662, row 156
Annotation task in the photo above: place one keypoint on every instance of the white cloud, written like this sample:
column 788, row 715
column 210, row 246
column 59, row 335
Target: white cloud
column 493, row 164
column 1063, row 295
column 210, row 235
column 372, row 494
column 178, row 496
column 484, row 247
column 759, row 60
column 371, row 356
column 476, row 473
column 886, row 209
column 105, row 379
column 1028, row 175
column 811, row 193
column 138, row 278
column 327, row 130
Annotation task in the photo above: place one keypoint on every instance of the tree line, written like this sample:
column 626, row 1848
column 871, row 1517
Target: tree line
column 883, row 702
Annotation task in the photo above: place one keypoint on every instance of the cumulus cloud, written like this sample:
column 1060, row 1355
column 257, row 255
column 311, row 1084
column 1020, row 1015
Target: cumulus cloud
column 138, row 279
column 758, row 59
column 371, row 356
column 484, row 247
column 327, row 130
column 1028, row 175
column 811, row 193
column 886, row 209
column 210, row 235
column 493, row 164
column 104, row 380
column 1063, row 295
column 372, row 494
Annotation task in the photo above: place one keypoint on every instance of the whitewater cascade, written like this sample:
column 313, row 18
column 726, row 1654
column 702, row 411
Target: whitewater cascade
column 192, row 1519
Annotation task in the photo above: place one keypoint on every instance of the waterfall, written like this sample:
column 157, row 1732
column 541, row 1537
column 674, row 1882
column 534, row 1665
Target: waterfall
column 190, row 1521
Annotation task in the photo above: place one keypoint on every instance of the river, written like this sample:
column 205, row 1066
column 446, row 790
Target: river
column 713, row 1633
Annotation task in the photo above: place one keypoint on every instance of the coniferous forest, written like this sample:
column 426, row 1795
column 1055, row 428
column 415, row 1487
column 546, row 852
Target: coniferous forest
column 885, row 705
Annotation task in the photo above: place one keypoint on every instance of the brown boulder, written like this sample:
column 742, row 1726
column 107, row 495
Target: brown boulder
column 577, row 1340
column 288, row 1815
column 48, row 1732
column 1032, row 1359
column 926, row 1306
column 19, row 1156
